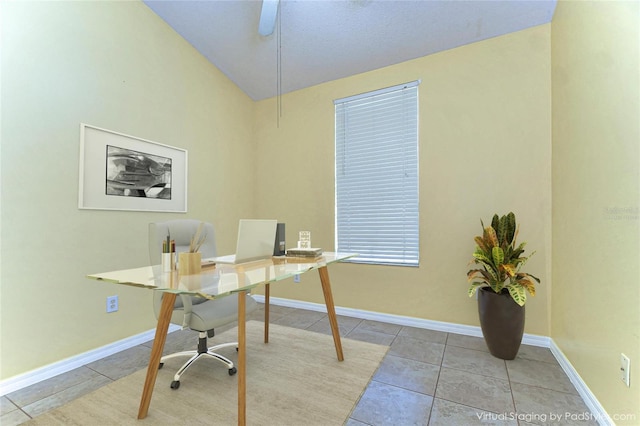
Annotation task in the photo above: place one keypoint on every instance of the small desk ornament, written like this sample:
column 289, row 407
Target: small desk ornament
column 304, row 241
column 304, row 248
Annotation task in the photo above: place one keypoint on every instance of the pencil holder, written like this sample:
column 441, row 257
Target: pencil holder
column 168, row 262
column 189, row 263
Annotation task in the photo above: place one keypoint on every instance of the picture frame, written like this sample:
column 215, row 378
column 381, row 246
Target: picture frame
column 123, row 172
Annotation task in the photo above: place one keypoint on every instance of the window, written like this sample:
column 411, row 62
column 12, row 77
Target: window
column 377, row 175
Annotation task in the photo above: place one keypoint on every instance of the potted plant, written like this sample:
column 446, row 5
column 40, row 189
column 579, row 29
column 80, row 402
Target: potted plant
column 502, row 286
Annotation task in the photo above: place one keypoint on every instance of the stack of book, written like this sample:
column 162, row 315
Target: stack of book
column 304, row 252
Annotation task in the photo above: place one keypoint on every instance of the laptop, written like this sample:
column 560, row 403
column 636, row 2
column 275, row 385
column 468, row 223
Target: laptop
column 255, row 241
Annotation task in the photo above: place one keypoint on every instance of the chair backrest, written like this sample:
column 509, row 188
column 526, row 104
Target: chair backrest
column 181, row 231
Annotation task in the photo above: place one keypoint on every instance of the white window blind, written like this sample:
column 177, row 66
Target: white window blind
column 377, row 175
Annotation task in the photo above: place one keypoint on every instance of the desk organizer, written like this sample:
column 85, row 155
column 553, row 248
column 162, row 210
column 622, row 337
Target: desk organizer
column 189, row 263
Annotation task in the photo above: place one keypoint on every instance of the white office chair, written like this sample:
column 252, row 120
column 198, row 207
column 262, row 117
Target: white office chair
column 198, row 314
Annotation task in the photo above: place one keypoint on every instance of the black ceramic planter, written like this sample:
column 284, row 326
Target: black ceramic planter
column 502, row 322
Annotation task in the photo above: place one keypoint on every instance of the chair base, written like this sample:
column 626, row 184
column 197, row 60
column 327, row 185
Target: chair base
column 203, row 351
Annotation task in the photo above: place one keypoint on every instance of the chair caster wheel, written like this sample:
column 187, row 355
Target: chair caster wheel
column 175, row 384
column 160, row 365
column 233, row 371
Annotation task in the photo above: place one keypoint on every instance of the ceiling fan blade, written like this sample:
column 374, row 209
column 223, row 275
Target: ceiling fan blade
column 268, row 17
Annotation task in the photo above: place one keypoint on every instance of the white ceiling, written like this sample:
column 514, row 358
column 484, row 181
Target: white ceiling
column 324, row 40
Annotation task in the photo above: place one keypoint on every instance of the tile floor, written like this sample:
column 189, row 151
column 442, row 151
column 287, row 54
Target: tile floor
column 427, row 378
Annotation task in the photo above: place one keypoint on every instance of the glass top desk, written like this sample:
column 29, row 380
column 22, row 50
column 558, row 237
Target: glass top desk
column 220, row 281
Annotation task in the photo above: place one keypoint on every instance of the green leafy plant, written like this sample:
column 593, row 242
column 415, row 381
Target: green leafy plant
column 501, row 260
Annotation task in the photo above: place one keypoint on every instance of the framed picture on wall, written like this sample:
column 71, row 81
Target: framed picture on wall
column 122, row 172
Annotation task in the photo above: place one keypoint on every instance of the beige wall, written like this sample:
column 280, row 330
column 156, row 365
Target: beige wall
column 596, row 191
column 114, row 65
column 485, row 147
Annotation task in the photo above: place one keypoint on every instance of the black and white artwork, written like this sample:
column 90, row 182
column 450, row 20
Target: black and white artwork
column 122, row 172
column 137, row 174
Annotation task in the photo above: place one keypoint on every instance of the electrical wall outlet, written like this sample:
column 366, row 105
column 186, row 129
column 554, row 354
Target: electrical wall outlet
column 624, row 369
column 112, row 304
column 296, row 278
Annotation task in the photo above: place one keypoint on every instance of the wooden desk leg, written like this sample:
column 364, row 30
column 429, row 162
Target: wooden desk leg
column 331, row 310
column 168, row 300
column 266, row 313
column 242, row 359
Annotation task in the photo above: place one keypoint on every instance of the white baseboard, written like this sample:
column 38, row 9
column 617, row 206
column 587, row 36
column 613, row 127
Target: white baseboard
column 597, row 410
column 447, row 327
column 32, row 377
